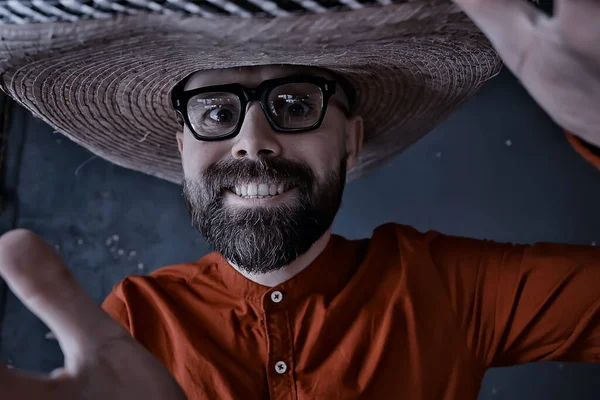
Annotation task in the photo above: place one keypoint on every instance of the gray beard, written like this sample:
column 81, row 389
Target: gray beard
column 263, row 239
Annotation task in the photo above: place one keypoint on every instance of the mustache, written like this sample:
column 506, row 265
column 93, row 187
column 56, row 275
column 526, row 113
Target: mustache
column 225, row 174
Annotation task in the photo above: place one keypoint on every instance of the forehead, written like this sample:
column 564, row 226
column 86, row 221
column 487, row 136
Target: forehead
column 251, row 76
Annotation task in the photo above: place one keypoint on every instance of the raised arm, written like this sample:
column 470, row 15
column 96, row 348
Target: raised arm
column 557, row 59
column 521, row 303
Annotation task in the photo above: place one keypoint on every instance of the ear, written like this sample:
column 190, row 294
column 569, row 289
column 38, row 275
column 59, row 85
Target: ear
column 354, row 140
column 180, row 141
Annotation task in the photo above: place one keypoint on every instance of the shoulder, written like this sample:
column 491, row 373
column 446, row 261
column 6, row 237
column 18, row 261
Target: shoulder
column 169, row 278
column 394, row 245
column 413, row 247
column 398, row 235
column 408, row 237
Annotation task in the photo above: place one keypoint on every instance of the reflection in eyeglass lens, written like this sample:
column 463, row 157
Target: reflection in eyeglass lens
column 290, row 106
column 295, row 105
column 214, row 113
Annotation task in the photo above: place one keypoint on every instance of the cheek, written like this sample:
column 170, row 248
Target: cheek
column 198, row 155
column 321, row 150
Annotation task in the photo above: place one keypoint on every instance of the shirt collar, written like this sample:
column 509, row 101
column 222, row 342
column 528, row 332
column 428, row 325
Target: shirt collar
column 325, row 276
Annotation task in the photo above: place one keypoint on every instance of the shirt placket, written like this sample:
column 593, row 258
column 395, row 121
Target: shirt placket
column 280, row 368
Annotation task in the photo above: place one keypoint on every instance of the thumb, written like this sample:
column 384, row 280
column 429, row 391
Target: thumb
column 39, row 278
column 509, row 25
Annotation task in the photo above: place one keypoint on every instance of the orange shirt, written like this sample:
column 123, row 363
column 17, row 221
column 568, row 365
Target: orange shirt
column 588, row 151
column 403, row 314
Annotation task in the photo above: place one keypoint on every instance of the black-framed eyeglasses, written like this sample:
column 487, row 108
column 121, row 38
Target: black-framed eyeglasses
column 291, row 105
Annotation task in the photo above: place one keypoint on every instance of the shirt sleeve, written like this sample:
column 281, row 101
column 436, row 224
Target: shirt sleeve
column 115, row 306
column 586, row 150
column 522, row 303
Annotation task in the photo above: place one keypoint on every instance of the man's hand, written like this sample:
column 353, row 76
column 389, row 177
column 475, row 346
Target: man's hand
column 102, row 361
column 556, row 58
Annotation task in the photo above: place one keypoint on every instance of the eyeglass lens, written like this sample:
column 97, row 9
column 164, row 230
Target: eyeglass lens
column 290, row 106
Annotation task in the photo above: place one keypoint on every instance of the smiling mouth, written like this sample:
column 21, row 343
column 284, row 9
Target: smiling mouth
column 260, row 190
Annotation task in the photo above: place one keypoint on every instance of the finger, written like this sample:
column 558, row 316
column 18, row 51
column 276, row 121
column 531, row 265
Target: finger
column 39, row 278
column 579, row 21
column 16, row 385
column 510, row 25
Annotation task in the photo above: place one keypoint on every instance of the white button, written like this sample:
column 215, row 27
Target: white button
column 281, row 367
column 276, row 296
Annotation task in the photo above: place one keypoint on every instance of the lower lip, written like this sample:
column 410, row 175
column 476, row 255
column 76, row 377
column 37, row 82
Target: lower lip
column 256, row 201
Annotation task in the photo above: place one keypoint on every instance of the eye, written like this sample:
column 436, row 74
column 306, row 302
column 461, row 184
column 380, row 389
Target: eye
column 296, row 109
column 221, row 115
column 292, row 107
column 214, row 113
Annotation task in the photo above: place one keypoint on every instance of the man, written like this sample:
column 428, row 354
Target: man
column 285, row 309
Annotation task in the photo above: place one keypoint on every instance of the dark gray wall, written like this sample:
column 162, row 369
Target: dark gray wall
column 465, row 178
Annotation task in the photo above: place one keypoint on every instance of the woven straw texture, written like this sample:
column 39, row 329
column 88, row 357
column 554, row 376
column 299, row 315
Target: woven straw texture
column 105, row 82
column 31, row 11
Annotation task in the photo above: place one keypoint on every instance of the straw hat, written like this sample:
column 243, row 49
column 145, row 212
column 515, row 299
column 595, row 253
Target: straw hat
column 101, row 71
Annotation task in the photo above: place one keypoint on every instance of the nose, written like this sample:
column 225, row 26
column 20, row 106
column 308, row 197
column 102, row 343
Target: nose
column 256, row 138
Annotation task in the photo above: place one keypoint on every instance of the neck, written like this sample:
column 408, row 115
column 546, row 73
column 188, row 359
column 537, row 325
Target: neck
column 294, row 268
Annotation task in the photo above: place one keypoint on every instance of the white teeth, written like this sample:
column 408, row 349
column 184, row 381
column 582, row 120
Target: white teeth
column 263, row 189
column 259, row 189
column 252, row 189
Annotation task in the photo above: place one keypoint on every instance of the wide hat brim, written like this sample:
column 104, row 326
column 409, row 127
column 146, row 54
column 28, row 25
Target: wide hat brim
column 106, row 83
